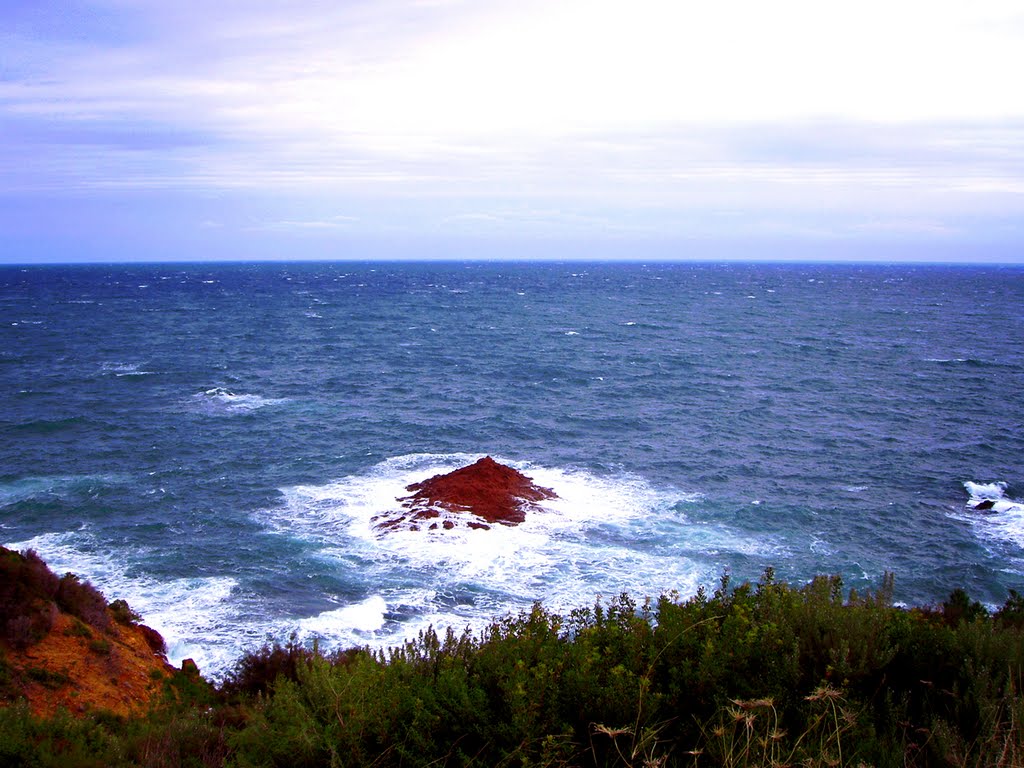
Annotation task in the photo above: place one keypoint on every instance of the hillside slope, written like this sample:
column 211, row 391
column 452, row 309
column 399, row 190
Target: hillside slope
column 63, row 646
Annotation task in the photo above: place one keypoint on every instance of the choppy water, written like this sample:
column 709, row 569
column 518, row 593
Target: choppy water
column 210, row 442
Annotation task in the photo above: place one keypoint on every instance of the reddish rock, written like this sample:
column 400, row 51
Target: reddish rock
column 486, row 491
column 153, row 639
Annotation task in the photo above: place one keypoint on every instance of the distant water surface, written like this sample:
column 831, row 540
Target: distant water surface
column 210, row 442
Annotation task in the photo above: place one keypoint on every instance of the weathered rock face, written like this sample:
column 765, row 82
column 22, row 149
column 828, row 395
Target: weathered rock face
column 476, row 496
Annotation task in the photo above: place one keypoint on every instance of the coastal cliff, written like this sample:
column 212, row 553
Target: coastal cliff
column 62, row 646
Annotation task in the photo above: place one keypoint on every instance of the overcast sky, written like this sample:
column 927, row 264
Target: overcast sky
column 221, row 129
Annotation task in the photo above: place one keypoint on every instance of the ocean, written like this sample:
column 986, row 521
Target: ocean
column 211, row 441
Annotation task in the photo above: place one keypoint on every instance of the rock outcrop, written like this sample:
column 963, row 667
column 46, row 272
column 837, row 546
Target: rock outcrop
column 476, row 496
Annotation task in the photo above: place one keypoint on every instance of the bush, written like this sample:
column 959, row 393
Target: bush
column 123, row 613
column 32, row 625
column 1011, row 615
column 78, row 629
column 760, row 672
column 959, row 607
column 258, row 670
column 47, row 677
column 27, row 588
column 82, row 599
column 754, row 674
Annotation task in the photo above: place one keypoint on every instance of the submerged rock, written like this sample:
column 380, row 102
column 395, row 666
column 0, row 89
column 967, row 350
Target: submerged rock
column 478, row 496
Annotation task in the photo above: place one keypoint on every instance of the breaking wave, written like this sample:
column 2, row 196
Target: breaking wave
column 222, row 401
column 120, row 370
column 54, row 486
column 603, row 535
column 992, row 514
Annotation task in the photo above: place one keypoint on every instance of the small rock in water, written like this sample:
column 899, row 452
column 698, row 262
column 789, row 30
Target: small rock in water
column 487, row 491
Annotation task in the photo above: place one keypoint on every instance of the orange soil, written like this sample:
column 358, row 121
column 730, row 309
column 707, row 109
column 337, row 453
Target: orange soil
column 116, row 671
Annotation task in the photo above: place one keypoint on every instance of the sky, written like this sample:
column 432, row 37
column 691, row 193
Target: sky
column 133, row 130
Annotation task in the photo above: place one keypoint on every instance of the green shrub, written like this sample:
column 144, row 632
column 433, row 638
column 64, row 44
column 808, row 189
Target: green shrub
column 959, row 608
column 1011, row 615
column 258, row 670
column 749, row 675
column 77, row 629
column 47, row 677
column 82, row 599
column 123, row 613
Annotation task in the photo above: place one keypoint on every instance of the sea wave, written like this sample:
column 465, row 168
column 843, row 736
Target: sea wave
column 46, row 426
column 222, row 401
column 602, row 535
column 40, row 486
column 124, row 369
column 992, row 514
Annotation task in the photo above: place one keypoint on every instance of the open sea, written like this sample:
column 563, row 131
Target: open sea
column 210, row 442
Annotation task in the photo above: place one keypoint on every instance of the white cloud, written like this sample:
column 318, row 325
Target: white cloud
column 646, row 117
column 330, row 224
column 501, row 69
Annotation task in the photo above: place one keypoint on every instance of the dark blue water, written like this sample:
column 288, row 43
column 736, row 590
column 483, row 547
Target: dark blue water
column 210, row 442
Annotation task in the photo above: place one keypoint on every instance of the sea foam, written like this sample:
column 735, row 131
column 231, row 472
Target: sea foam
column 602, row 535
column 124, row 369
column 1001, row 520
column 222, row 401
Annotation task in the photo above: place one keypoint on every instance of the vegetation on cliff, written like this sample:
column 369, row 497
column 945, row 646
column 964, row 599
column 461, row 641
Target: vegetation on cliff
column 763, row 674
column 63, row 647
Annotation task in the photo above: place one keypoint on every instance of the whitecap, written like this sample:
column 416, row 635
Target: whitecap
column 992, row 515
column 602, row 535
column 361, row 617
column 220, row 400
column 820, row 546
column 982, row 491
column 124, row 369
